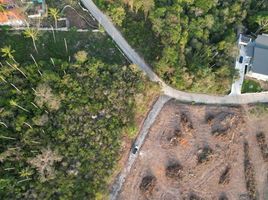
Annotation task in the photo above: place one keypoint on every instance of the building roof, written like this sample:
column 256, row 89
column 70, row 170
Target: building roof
column 247, row 50
column 6, row 1
column 262, row 41
column 260, row 60
column 9, row 16
column 12, row 15
column 39, row 1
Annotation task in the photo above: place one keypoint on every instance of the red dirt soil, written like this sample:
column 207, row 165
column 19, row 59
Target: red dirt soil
column 201, row 152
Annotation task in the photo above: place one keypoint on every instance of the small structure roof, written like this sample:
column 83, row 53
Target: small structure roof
column 10, row 15
column 243, row 39
column 6, row 1
column 39, row 1
column 13, row 16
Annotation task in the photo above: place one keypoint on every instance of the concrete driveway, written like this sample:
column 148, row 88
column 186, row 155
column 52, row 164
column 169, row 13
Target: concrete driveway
column 237, row 84
column 240, row 67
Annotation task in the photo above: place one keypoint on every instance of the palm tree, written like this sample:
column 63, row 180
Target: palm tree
column 32, row 33
column 4, row 124
column 36, row 65
column 25, row 173
column 53, row 32
column 15, row 67
column 7, row 52
column 14, row 103
column 55, row 13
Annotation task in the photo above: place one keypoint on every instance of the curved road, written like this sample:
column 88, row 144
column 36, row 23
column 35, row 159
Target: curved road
column 169, row 91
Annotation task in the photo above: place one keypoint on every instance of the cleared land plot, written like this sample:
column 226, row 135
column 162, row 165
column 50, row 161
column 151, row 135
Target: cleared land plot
column 201, row 152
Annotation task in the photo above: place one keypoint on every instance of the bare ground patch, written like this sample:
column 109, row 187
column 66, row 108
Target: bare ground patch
column 199, row 152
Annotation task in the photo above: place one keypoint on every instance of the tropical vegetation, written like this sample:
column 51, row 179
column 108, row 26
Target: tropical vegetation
column 191, row 44
column 62, row 114
column 251, row 86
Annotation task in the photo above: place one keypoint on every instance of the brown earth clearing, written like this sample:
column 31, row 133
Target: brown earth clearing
column 79, row 19
column 200, row 152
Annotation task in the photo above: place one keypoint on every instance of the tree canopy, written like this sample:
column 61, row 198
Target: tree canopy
column 61, row 126
column 191, row 44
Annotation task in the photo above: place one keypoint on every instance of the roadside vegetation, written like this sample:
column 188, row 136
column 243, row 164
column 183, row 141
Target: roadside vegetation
column 259, row 110
column 251, row 86
column 191, row 44
column 64, row 107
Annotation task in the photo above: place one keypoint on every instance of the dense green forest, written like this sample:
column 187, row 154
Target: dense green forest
column 191, row 44
column 63, row 107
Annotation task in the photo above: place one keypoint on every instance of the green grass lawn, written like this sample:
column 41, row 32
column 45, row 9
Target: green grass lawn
column 250, row 86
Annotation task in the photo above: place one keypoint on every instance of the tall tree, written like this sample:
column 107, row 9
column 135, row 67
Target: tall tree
column 14, row 103
column 7, row 52
column 261, row 18
column 33, row 34
column 55, row 13
column 148, row 5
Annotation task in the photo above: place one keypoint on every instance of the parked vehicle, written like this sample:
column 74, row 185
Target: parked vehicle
column 135, row 149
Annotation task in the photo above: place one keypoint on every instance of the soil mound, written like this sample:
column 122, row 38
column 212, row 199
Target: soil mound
column 174, row 170
column 147, row 184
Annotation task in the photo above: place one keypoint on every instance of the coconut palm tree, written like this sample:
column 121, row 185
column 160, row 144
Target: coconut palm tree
column 36, row 65
column 55, row 13
column 7, row 52
column 14, row 103
column 15, row 67
column 53, row 32
column 3, row 123
column 33, row 34
column 26, row 172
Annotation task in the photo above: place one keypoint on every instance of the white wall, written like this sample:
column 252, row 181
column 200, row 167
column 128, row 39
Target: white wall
column 257, row 76
column 13, row 23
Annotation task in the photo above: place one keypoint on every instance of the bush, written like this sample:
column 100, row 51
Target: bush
column 251, row 86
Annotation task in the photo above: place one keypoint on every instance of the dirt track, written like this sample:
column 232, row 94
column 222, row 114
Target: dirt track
column 201, row 152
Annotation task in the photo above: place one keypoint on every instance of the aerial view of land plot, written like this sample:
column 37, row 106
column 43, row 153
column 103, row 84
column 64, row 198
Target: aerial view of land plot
column 201, row 152
column 133, row 100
